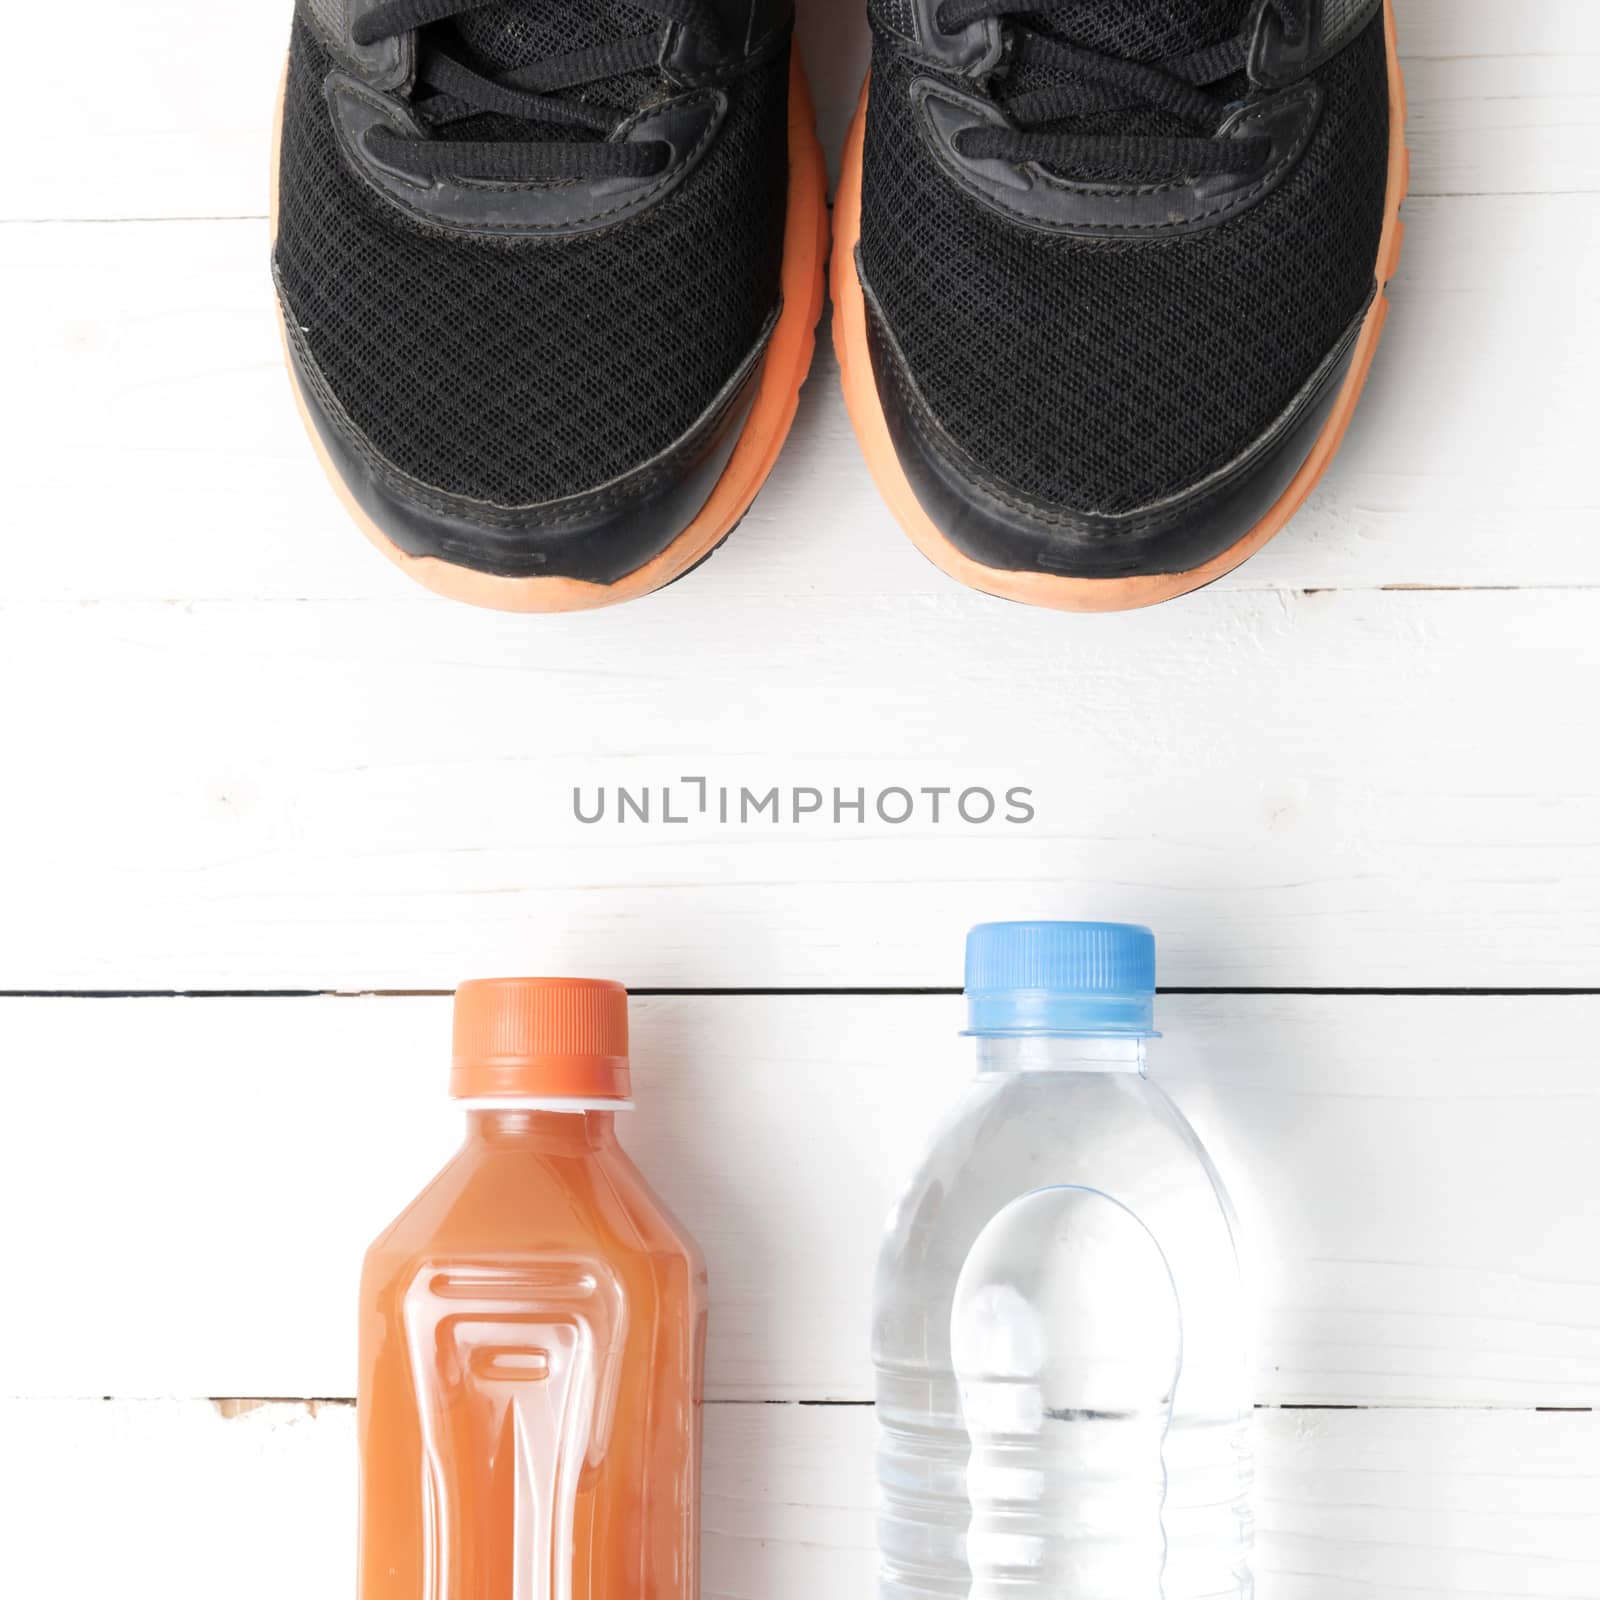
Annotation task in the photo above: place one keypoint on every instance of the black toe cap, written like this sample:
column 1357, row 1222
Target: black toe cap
column 999, row 527
column 599, row 536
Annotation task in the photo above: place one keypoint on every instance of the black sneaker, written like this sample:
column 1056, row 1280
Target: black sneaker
column 547, row 306
column 1120, row 277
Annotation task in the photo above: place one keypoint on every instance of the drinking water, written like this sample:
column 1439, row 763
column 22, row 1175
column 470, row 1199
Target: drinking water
column 1062, row 1384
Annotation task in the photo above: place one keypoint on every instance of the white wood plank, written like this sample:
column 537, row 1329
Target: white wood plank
column 172, row 106
column 1524, row 119
column 193, row 1183
column 1365, row 1505
column 158, row 110
column 1324, row 790
column 155, row 453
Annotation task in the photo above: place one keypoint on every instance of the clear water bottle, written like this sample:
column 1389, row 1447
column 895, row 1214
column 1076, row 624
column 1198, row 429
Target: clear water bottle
column 1058, row 1330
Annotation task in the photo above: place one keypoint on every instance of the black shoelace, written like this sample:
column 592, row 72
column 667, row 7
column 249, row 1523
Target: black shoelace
column 1098, row 84
column 531, row 94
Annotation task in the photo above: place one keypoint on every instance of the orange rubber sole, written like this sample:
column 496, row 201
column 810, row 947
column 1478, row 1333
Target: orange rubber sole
column 783, row 371
column 1049, row 589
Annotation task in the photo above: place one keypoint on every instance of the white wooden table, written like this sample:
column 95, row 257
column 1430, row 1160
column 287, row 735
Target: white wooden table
column 1355, row 789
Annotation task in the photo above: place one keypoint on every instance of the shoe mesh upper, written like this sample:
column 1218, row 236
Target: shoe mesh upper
column 518, row 371
column 1100, row 376
column 1153, row 30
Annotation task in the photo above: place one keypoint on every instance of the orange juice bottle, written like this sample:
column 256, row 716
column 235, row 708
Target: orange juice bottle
column 532, row 1333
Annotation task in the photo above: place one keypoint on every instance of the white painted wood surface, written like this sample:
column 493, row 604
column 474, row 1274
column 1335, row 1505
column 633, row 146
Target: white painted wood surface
column 1345, row 789
column 259, row 1502
column 241, row 752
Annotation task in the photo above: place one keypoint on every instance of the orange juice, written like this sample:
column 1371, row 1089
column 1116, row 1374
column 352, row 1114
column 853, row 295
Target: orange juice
column 532, row 1334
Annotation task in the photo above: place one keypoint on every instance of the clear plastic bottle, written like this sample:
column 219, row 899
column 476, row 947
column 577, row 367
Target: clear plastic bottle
column 1059, row 1332
column 533, row 1333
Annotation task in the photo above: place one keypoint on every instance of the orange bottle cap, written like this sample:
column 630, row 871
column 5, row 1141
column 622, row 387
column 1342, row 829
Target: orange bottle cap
column 541, row 1039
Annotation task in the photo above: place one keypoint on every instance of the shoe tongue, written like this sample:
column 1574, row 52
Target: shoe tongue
column 496, row 39
column 1149, row 31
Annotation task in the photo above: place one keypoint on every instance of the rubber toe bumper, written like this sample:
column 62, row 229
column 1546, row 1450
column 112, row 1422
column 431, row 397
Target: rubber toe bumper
column 998, row 527
column 599, row 536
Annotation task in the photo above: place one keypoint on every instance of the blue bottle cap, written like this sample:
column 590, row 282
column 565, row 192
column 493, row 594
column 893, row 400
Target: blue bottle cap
column 1061, row 977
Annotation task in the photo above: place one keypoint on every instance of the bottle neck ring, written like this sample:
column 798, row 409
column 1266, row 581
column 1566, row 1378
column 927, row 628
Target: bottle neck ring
column 1048, row 1052
column 536, row 1126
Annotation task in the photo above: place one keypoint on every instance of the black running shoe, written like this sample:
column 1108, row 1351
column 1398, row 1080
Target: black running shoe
column 1109, row 277
column 549, row 272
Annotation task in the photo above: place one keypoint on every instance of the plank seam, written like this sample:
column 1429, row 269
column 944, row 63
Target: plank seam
column 244, row 1401
column 861, row 992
